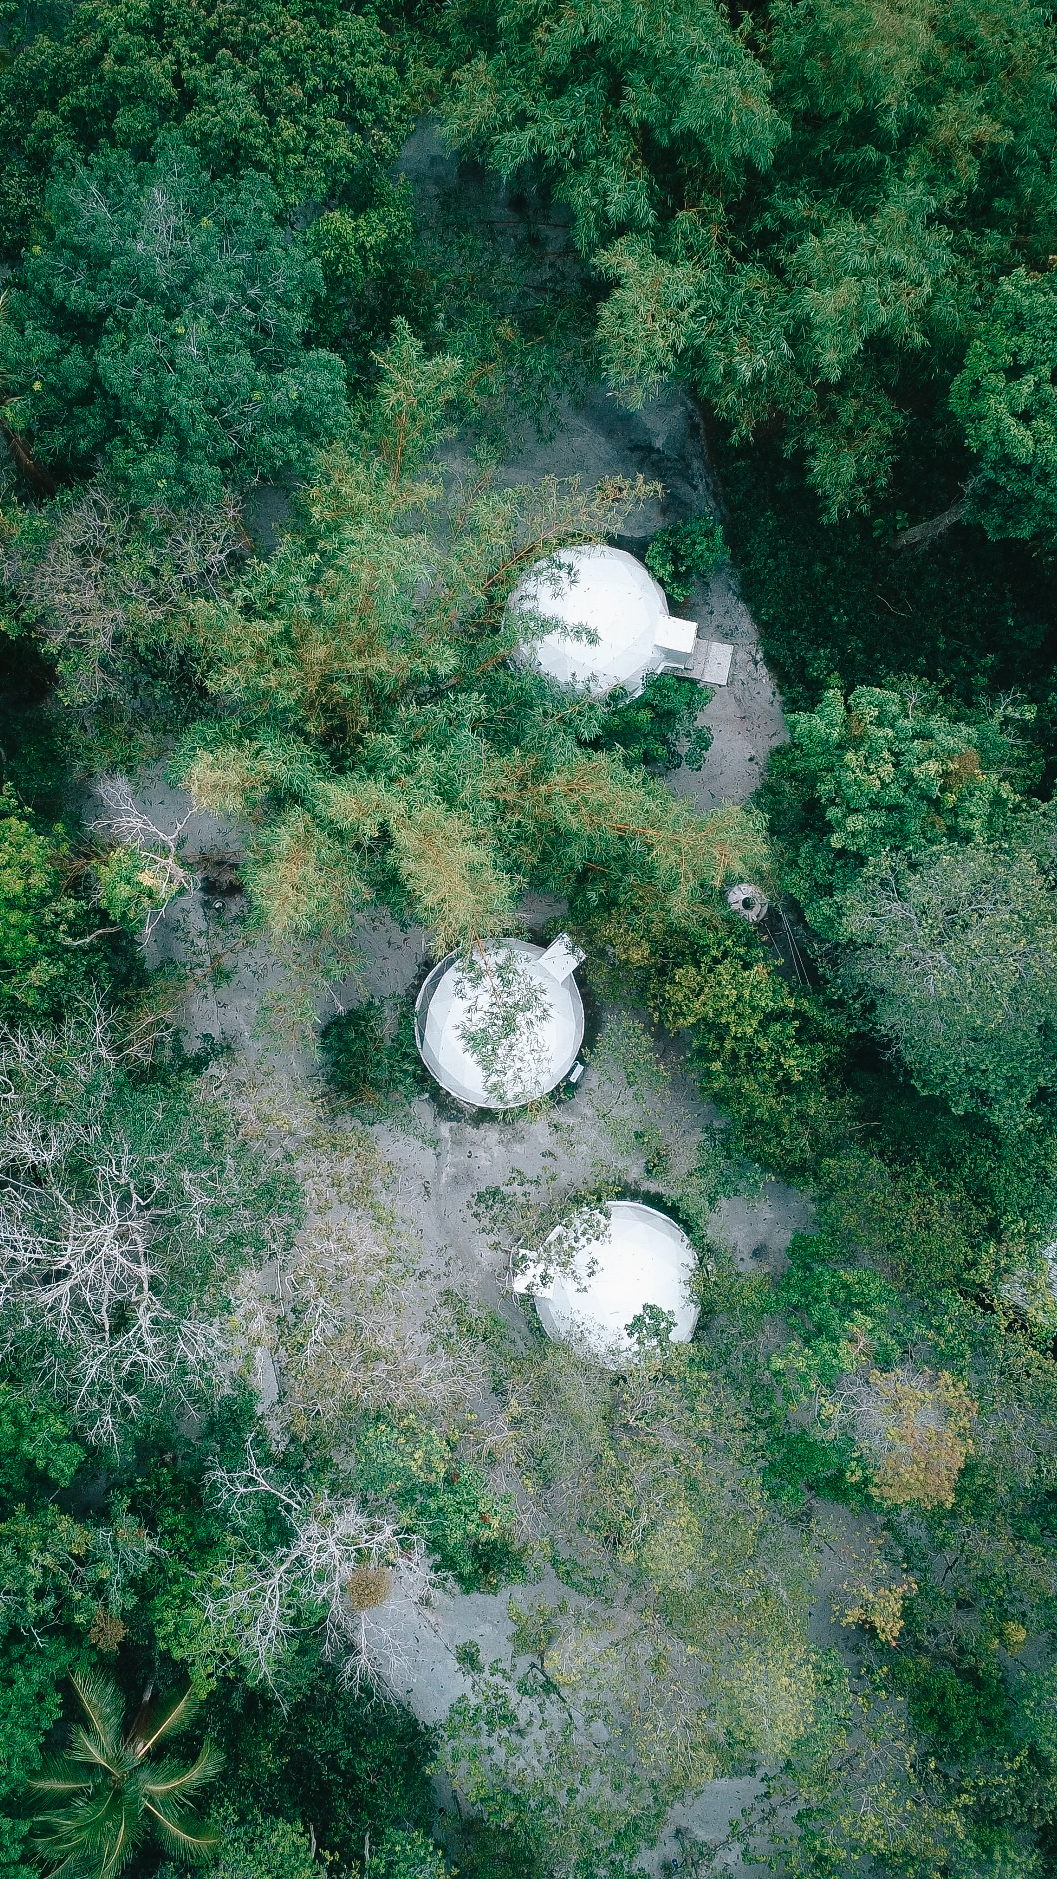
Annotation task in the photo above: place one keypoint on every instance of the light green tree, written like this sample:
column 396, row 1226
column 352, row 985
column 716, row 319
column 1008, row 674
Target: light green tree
column 957, row 950
column 881, row 773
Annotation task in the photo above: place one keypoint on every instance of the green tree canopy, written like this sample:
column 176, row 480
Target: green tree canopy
column 1007, row 400
column 800, row 217
column 957, row 951
column 309, row 93
column 884, row 772
column 161, row 328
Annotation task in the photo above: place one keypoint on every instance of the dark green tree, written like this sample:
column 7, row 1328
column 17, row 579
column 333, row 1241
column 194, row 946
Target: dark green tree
column 802, row 216
column 160, row 330
column 309, row 93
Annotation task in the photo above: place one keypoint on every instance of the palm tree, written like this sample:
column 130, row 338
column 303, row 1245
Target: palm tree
column 102, row 1797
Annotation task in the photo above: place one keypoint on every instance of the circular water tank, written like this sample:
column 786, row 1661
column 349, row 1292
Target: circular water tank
column 636, row 1257
column 749, row 901
column 609, row 608
column 499, row 1030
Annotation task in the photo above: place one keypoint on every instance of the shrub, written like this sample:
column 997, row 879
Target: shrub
column 659, row 727
column 369, row 1054
column 684, row 553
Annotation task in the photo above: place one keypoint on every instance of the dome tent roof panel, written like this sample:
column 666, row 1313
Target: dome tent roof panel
column 602, row 592
column 499, row 1029
column 636, row 1257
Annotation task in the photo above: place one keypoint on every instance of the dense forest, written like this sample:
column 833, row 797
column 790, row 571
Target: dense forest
column 259, row 390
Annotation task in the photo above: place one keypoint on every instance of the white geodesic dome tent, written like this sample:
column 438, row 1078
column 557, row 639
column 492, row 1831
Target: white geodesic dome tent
column 503, row 1027
column 600, row 1280
column 612, row 620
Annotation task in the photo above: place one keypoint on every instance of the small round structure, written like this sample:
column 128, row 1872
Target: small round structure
column 632, row 1257
column 750, row 902
column 612, row 616
column 499, row 1029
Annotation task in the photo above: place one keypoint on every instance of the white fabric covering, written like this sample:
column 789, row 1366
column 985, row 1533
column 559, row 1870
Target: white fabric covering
column 641, row 1259
column 535, row 1059
column 610, row 594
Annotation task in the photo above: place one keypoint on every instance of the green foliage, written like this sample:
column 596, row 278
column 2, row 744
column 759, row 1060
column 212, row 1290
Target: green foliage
column 351, row 1765
column 544, row 86
column 844, row 1311
column 964, row 1712
column 104, row 1795
column 686, row 552
column 825, row 1465
column 38, row 968
column 484, row 1851
column 882, row 775
column 749, row 245
column 372, row 715
column 260, row 1846
column 765, row 1052
column 305, row 92
column 58, row 1575
column 127, row 887
column 406, row 1854
column 828, row 601
column 369, row 1054
column 958, row 956
column 35, row 1446
column 413, row 1469
column 1006, row 399
column 907, row 842
column 659, row 728
column 161, row 325
column 106, row 586
column 57, row 948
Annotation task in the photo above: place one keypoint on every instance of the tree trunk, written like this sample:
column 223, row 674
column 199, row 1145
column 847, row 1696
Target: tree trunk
column 937, row 524
column 26, row 463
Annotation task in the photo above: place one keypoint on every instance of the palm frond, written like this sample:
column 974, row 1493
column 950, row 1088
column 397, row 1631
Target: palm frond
column 168, row 1782
column 56, row 1777
column 168, row 1722
column 101, row 1701
column 190, row 1840
column 94, row 1836
column 89, row 1747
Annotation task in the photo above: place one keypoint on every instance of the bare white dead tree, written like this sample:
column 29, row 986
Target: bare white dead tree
column 340, row 1570
column 108, row 575
column 125, row 822
column 87, row 1231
